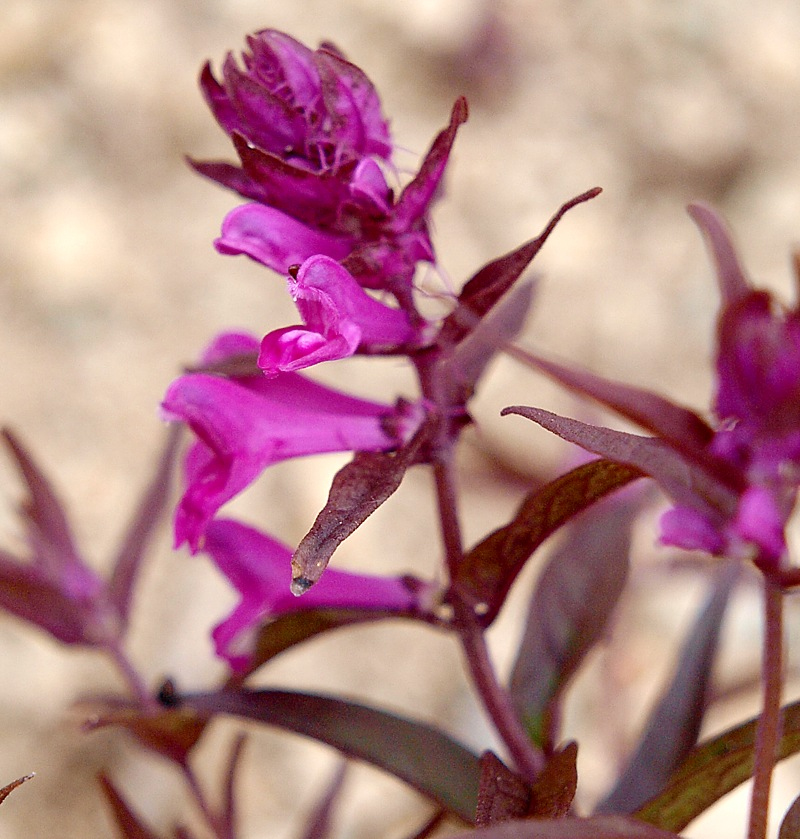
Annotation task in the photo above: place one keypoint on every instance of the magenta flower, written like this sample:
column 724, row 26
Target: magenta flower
column 339, row 317
column 314, row 147
column 734, row 484
column 259, row 567
column 244, row 424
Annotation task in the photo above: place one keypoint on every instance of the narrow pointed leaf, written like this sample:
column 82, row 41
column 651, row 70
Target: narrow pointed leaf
column 502, row 795
column 712, row 770
column 9, row 788
column 417, row 196
column 462, row 368
column 680, row 427
column 486, row 287
column 229, row 810
column 140, row 531
column 674, row 724
column 554, row 788
column 569, row 611
column 129, row 824
column 733, row 282
column 596, row 827
column 680, row 479
column 319, row 822
column 490, row 568
column 293, row 628
column 790, row 826
column 172, row 732
column 358, row 489
column 417, row 753
column 43, row 511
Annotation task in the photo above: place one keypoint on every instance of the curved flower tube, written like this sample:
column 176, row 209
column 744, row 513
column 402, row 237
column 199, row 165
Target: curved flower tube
column 259, row 567
column 245, row 424
column 339, row 319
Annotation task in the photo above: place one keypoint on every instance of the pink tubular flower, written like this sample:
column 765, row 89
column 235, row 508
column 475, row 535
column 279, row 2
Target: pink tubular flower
column 734, row 482
column 757, row 405
column 340, row 318
column 259, row 567
column 245, row 424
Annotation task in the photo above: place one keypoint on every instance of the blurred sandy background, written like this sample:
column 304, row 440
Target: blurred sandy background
column 108, row 282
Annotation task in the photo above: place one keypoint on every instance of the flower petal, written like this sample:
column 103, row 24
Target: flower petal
column 275, row 239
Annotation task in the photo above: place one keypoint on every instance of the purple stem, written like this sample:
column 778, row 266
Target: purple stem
column 218, row 825
column 133, row 678
column 528, row 759
column 769, row 723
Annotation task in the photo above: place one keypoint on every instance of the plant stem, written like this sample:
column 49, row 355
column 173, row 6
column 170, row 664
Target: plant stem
column 135, row 682
column 217, row 824
column 528, row 759
column 769, row 723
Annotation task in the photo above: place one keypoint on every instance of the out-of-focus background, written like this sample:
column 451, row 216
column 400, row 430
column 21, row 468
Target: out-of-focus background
column 109, row 282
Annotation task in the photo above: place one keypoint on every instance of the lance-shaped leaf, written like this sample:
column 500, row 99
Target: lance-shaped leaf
column 171, row 732
column 680, row 427
column 733, row 282
column 9, row 788
column 358, row 489
column 486, row 287
column 418, row 194
column 674, row 724
column 684, row 481
column 294, row 628
column 569, row 611
column 596, row 827
column 229, row 798
column 502, row 795
column 52, row 587
column 47, row 524
column 713, row 769
column 320, row 820
column 129, row 824
column 490, row 568
column 554, row 788
column 417, row 753
column 790, row 826
column 140, row 531
column 464, row 365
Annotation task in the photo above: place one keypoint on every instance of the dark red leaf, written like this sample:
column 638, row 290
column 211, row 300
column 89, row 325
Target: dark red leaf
column 502, row 794
column 172, row 732
column 44, row 514
column 712, row 770
column 681, row 427
column 569, row 611
column 490, row 568
column 358, row 489
column 140, row 531
column 790, row 826
column 684, row 481
column 596, row 827
column 9, row 788
column 419, row 754
column 674, row 724
column 461, row 368
column 129, row 824
column 481, row 293
column 554, row 788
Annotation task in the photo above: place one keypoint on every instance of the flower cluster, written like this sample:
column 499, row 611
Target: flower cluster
column 734, row 482
column 315, row 154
